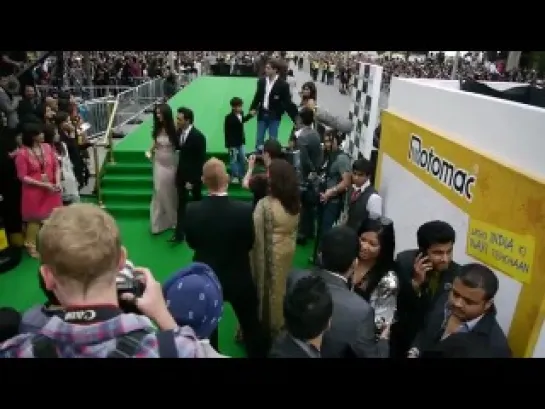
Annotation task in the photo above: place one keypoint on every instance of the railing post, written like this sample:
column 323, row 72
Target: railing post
column 112, row 108
column 98, row 175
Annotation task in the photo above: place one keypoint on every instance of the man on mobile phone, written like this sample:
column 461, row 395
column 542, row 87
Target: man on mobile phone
column 425, row 274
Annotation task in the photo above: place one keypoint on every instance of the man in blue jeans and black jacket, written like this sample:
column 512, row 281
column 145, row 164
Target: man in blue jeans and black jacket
column 272, row 98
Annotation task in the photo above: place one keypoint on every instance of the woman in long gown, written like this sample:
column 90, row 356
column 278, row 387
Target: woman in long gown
column 276, row 217
column 164, row 203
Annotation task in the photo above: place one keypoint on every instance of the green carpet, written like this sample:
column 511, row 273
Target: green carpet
column 126, row 188
column 209, row 98
column 19, row 288
column 126, row 185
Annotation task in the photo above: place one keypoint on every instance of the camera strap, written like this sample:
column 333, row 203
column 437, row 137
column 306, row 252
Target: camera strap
column 89, row 315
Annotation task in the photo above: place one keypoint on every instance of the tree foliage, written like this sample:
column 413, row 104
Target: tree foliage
column 538, row 60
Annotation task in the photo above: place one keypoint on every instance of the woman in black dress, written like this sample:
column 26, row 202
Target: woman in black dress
column 10, row 189
column 376, row 258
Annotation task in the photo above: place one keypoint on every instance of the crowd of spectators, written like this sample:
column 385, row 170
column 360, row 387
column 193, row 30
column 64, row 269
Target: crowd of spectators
column 433, row 67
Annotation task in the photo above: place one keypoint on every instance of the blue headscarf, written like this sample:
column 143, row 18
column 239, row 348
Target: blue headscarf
column 194, row 298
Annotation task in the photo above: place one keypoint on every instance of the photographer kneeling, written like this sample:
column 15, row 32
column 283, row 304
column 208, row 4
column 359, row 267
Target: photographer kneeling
column 257, row 181
column 81, row 256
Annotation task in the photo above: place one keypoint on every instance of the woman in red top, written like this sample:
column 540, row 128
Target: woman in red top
column 39, row 171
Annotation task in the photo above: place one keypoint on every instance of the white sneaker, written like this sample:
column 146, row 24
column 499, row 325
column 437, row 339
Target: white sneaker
column 235, row 180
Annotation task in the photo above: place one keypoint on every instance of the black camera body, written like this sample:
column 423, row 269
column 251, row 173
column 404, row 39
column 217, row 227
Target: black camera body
column 128, row 281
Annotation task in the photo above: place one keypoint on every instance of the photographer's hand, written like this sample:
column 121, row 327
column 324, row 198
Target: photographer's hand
column 328, row 194
column 251, row 162
column 152, row 303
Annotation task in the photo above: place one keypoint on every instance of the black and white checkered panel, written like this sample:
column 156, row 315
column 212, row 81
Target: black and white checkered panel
column 364, row 109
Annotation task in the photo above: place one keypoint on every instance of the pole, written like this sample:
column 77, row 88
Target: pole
column 60, row 69
column 513, row 60
column 86, row 62
column 454, row 74
column 171, row 58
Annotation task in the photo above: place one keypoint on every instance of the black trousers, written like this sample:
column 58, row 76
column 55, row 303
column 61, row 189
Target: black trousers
column 245, row 305
column 307, row 219
column 183, row 199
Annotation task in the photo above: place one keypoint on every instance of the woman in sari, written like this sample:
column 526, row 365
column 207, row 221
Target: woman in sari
column 276, row 217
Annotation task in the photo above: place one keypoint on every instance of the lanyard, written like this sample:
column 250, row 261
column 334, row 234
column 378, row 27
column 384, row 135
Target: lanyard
column 40, row 158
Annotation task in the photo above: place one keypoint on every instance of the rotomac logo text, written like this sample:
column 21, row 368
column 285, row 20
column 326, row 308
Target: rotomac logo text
column 459, row 180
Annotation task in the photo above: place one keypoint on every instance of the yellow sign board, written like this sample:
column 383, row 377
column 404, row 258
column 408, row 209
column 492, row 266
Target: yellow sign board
column 505, row 206
column 506, row 251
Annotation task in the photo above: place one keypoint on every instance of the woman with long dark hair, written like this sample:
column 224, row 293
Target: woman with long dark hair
column 67, row 134
column 376, row 258
column 69, row 183
column 309, row 94
column 276, row 217
column 164, row 201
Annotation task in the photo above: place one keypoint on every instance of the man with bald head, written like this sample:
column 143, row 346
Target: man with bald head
column 221, row 232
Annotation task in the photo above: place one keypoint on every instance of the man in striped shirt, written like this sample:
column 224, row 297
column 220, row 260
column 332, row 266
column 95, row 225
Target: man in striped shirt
column 81, row 254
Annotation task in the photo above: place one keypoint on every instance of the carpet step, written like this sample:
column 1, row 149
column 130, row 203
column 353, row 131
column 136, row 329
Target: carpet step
column 127, row 181
column 129, row 210
column 130, row 182
column 129, row 168
column 135, row 171
column 142, row 195
column 138, row 156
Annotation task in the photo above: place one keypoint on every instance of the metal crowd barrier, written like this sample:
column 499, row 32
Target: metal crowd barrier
column 97, row 114
column 85, row 93
column 133, row 102
column 108, row 115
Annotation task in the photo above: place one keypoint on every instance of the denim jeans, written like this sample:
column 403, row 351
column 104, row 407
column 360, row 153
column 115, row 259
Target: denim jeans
column 262, row 126
column 328, row 214
column 237, row 161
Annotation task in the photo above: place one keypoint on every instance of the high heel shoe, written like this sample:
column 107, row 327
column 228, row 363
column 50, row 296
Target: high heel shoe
column 31, row 249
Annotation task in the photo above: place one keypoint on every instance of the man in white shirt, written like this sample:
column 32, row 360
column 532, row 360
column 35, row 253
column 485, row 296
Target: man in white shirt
column 272, row 98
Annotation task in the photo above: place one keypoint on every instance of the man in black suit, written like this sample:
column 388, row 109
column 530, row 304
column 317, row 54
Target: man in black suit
column 221, row 232
column 272, row 98
column 233, row 128
column 192, row 155
column 353, row 331
column 467, row 310
column 308, row 309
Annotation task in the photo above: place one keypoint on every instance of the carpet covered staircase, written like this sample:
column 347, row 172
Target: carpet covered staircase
column 127, row 185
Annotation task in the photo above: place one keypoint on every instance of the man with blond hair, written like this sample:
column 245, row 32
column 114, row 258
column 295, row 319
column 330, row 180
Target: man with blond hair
column 81, row 254
column 221, row 231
